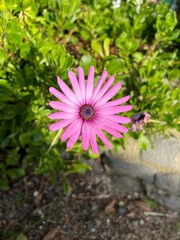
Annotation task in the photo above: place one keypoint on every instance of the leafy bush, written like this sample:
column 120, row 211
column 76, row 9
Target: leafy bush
column 42, row 39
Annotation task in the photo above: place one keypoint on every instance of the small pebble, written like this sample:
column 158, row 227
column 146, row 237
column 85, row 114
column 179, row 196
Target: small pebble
column 108, row 221
column 121, row 203
column 135, row 223
column 136, row 195
column 122, row 210
column 88, row 187
column 90, row 226
column 82, row 184
column 40, row 213
column 94, row 207
column 131, row 215
column 141, row 222
column 35, row 193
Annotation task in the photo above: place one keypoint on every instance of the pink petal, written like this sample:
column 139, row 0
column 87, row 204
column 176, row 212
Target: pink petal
column 76, row 86
column 113, row 109
column 112, row 132
column 59, row 125
column 62, row 115
column 85, row 136
column 103, row 138
column 67, row 91
column 109, row 94
column 117, row 101
column 71, row 129
column 81, row 81
column 60, row 96
column 73, row 139
column 92, row 139
column 100, row 83
column 119, row 119
column 89, row 86
column 103, row 121
column 103, row 90
column 63, row 107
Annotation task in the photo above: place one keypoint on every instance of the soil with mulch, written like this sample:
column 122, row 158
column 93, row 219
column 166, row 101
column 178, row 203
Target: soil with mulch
column 34, row 209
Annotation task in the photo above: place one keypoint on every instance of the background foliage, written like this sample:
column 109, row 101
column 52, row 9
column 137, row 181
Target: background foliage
column 42, row 39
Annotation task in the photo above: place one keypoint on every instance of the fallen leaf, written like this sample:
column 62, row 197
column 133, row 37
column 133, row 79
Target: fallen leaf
column 110, row 207
column 55, row 234
column 131, row 214
column 143, row 205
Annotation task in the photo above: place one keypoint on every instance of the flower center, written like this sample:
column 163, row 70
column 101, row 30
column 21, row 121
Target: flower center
column 87, row 112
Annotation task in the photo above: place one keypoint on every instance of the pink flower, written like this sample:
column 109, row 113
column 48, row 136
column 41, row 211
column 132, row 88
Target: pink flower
column 139, row 119
column 86, row 111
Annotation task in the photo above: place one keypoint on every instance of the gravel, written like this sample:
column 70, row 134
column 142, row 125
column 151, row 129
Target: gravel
column 37, row 210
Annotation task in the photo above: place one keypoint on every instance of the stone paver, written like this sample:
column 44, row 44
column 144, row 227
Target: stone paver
column 157, row 169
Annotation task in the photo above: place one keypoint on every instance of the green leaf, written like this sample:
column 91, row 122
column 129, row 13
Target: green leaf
column 143, row 141
column 96, row 46
column 143, row 89
column 4, row 183
column 24, row 138
column 92, row 155
column 86, row 62
column 24, row 50
column 5, row 85
column 4, row 56
column 116, row 65
column 65, row 184
column 80, row 168
column 68, row 62
column 16, row 172
column 54, row 142
column 85, row 35
column 2, row 167
column 137, row 57
column 106, row 46
column 5, row 142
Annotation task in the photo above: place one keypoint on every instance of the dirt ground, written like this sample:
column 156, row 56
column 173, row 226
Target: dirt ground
column 34, row 209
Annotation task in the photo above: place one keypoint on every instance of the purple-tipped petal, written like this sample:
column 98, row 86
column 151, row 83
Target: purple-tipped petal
column 109, row 94
column 59, row 125
column 85, row 136
column 67, row 91
column 63, row 107
column 76, row 86
column 117, row 101
column 89, row 85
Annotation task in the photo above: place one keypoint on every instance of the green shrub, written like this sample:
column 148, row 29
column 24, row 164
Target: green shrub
column 42, row 39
